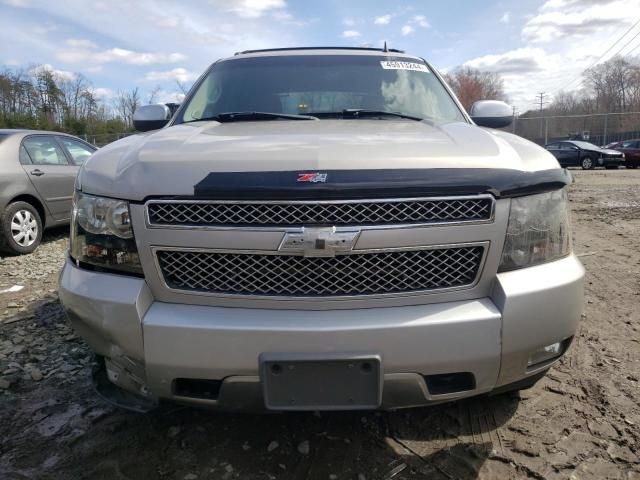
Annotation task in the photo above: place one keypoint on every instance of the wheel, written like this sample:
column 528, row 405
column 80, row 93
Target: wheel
column 587, row 163
column 631, row 165
column 21, row 228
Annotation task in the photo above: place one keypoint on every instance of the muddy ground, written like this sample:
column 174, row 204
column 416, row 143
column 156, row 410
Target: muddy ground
column 581, row 422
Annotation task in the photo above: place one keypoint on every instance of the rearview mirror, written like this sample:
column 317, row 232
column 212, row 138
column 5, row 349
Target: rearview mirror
column 491, row 113
column 151, row 117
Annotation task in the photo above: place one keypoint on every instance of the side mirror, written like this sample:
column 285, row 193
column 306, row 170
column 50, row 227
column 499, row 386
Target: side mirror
column 491, row 113
column 151, row 117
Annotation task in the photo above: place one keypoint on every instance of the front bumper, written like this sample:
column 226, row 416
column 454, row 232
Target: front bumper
column 149, row 344
column 611, row 161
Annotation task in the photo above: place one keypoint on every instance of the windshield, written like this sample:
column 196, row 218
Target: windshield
column 584, row 144
column 322, row 85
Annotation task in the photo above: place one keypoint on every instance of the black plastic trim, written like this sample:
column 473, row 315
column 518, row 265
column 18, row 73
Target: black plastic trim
column 285, row 49
column 393, row 183
column 99, row 269
column 447, row 383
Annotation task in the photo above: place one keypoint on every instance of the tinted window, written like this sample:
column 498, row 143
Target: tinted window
column 79, row 151
column 586, row 145
column 627, row 144
column 321, row 84
column 552, row 146
column 44, row 150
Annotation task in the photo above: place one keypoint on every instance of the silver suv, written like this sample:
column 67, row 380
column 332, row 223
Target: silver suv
column 321, row 229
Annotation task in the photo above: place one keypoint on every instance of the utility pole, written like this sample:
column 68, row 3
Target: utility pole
column 513, row 124
column 540, row 100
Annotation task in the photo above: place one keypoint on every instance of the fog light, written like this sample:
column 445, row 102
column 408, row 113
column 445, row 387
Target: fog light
column 545, row 353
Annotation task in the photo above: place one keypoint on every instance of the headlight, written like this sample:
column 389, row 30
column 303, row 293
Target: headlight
column 101, row 234
column 538, row 230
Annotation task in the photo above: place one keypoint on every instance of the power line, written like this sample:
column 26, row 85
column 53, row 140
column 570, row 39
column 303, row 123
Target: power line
column 540, row 100
column 634, row 49
column 603, row 55
column 634, row 37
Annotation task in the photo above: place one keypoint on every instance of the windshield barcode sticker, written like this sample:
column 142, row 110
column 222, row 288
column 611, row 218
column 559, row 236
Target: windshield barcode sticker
column 393, row 65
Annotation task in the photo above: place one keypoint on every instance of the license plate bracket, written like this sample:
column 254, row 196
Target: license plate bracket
column 321, row 382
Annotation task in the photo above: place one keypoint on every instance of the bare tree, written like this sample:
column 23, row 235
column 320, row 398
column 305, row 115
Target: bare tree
column 182, row 86
column 471, row 85
column 153, row 94
column 126, row 103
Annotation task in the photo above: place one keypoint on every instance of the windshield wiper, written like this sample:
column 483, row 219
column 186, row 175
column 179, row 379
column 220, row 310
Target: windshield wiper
column 244, row 116
column 363, row 112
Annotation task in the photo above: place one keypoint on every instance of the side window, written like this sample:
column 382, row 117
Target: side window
column 552, row 146
column 79, row 151
column 43, row 150
column 24, row 156
column 627, row 144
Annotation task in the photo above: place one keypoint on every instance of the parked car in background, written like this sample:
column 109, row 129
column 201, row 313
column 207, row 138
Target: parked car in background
column 578, row 153
column 38, row 170
column 631, row 150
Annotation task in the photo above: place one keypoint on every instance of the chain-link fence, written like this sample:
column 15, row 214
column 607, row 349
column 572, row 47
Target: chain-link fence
column 597, row 128
column 101, row 139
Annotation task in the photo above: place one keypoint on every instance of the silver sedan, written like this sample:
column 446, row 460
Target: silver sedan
column 37, row 174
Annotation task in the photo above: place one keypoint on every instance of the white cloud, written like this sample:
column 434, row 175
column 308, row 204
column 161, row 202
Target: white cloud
column 165, row 21
column 520, row 61
column 558, row 19
column 505, row 18
column 165, row 96
column 559, row 41
column 180, row 74
column 80, row 43
column 421, row 21
column 121, row 55
column 382, row 20
column 17, row 3
column 407, row 30
column 250, row 8
column 103, row 93
column 351, row 34
column 60, row 74
column 347, row 22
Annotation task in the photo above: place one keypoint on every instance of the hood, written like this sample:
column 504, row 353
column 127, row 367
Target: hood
column 610, row 151
column 172, row 161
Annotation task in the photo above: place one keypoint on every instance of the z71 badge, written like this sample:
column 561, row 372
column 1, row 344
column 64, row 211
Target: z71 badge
column 314, row 177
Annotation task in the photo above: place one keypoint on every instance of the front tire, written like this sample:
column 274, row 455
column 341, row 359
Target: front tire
column 587, row 163
column 21, row 228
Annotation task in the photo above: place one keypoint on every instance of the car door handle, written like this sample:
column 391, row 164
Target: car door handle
column 37, row 172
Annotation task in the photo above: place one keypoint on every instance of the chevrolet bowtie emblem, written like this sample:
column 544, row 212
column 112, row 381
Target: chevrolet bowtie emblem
column 319, row 242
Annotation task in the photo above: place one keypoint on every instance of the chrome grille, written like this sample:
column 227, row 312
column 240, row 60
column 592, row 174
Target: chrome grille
column 288, row 275
column 360, row 212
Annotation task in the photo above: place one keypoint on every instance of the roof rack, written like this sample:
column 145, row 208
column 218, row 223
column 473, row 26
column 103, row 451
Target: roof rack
column 322, row 48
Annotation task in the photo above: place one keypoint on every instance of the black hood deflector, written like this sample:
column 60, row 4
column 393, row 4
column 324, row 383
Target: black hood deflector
column 394, row 183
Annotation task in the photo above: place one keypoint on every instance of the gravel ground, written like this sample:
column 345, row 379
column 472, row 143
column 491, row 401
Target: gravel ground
column 581, row 422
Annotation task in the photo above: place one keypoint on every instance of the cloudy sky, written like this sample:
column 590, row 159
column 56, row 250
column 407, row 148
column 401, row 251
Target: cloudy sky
column 535, row 45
